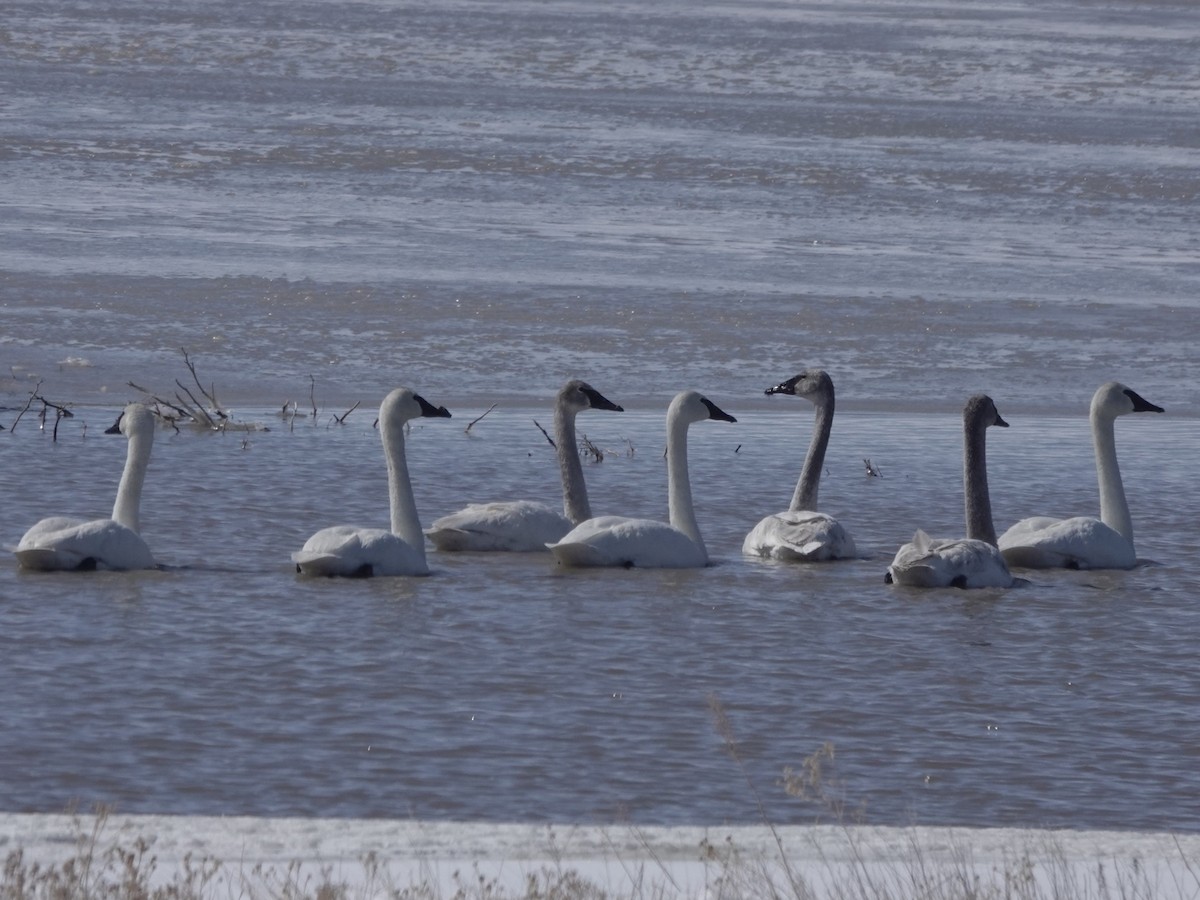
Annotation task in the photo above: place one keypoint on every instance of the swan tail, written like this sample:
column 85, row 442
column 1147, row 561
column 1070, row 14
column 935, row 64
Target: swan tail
column 327, row 564
column 46, row 559
column 455, row 540
column 580, row 555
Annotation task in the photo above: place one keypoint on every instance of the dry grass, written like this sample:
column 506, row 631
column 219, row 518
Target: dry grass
column 839, row 865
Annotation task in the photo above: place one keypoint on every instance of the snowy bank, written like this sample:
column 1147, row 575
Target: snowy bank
column 253, row 856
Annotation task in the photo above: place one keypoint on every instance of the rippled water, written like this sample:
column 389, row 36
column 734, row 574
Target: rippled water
column 320, row 201
column 503, row 688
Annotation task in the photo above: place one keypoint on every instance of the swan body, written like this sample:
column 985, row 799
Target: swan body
column 1085, row 542
column 65, row 543
column 953, row 562
column 525, row 525
column 513, row 525
column 350, row 551
column 973, row 561
column 1081, row 542
column 801, row 534
column 648, row 543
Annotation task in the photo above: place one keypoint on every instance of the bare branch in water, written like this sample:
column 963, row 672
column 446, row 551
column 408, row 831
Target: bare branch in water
column 211, row 393
column 872, row 471
column 312, row 394
column 341, row 420
column 60, row 412
column 549, row 439
column 590, row 449
column 485, row 412
column 197, row 412
column 33, row 396
column 186, row 406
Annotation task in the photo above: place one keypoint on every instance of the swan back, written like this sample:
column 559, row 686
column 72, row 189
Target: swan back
column 136, row 422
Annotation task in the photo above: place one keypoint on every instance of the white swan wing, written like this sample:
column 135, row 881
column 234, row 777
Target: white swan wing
column 1082, row 542
column 64, row 543
column 345, row 550
column 956, row 562
column 516, row 526
column 800, row 536
column 628, row 542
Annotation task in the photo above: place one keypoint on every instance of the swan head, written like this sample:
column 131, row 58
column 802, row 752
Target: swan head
column 981, row 412
column 134, row 419
column 691, row 406
column 815, row 384
column 1114, row 399
column 578, row 395
column 404, row 404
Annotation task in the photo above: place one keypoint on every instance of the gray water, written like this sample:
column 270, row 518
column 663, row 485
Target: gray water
column 320, row 201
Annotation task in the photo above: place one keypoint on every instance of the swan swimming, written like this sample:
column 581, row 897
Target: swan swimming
column 525, row 525
column 1085, row 542
column 648, row 543
column 973, row 561
column 61, row 542
column 361, row 552
column 801, row 533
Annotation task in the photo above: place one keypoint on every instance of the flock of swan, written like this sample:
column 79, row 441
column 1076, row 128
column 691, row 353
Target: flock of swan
column 800, row 533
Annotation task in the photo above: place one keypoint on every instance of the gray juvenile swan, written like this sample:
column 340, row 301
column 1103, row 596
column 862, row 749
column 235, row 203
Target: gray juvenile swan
column 973, row 561
column 648, row 543
column 1085, row 542
column 525, row 525
column 359, row 552
column 801, row 533
column 60, row 542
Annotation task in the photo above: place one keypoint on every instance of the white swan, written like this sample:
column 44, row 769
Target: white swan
column 973, row 561
column 1086, row 542
column 61, row 542
column 648, row 543
column 524, row 525
column 359, row 552
column 801, row 533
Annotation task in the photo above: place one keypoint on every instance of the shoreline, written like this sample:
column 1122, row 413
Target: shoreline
column 380, row 856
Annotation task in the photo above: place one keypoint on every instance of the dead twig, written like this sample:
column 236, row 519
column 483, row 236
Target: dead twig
column 341, row 420
column 485, row 412
column 210, row 393
column 33, row 396
column 872, row 470
column 197, row 410
column 549, row 439
column 590, row 449
column 60, row 412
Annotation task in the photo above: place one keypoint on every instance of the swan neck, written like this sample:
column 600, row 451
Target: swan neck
column 575, row 496
column 805, row 496
column 975, row 485
column 405, row 523
column 1114, row 508
column 126, row 509
column 679, row 485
